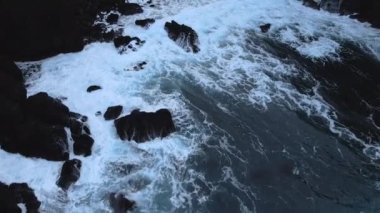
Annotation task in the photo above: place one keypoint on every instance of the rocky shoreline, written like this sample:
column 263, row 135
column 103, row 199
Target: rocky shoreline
column 35, row 126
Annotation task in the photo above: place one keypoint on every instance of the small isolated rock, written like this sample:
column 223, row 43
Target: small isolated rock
column 144, row 22
column 98, row 113
column 70, row 173
column 120, row 204
column 183, row 35
column 112, row 18
column 93, row 88
column 113, row 112
column 130, row 9
column 83, row 145
column 139, row 66
column 265, row 27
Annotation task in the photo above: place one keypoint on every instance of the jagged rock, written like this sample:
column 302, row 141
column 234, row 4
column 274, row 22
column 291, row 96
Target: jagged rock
column 265, row 27
column 183, row 35
column 365, row 10
column 113, row 112
column 123, row 41
column 83, row 145
column 93, row 88
column 47, row 109
column 15, row 194
column 112, row 18
column 143, row 126
column 144, row 22
column 70, row 173
column 120, row 204
column 130, row 9
column 139, row 66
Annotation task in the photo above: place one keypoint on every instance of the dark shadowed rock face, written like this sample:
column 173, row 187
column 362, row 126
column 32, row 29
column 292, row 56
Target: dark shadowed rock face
column 130, row 9
column 183, row 35
column 83, row 145
column 120, row 204
column 17, row 193
column 364, row 10
column 144, row 22
column 34, row 30
column 113, row 112
column 70, row 173
column 265, row 27
column 123, row 41
column 143, row 126
column 47, row 109
column 112, row 18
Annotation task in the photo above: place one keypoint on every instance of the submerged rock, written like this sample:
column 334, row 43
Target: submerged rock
column 143, row 126
column 113, row 112
column 93, row 88
column 183, row 35
column 144, row 22
column 120, row 204
column 17, row 193
column 312, row 3
column 265, row 27
column 70, row 173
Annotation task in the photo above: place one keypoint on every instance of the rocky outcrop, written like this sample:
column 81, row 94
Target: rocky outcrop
column 143, row 126
column 183, row 35
column 312, row 3
column 70, row 173
column 120, row 204
column 17, row 193
column 34, row 126
column 93, row 88
column 33, row 30
column 144, row 22
column 113, row 112
column 112, row 18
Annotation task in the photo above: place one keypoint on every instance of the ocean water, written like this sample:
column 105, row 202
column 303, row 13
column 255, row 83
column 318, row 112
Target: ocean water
column 266, row 122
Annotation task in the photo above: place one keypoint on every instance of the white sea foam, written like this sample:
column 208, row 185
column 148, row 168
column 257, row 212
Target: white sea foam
column 224, row 65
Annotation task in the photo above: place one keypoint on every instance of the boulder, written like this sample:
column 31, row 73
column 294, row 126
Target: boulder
column 112, row 18
column 47, row 109
column 143, row 126
column 17, row 193
column 265, row 27
column 122, row 41
column 70, row 173
column 93, row 88
column 113, row 112
column 144, row 22
column 130, row 9
column 120, row 204
column 83, row 145
column 183, row 35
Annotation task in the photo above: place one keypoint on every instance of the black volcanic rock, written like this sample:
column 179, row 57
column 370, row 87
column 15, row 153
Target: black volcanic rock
column 144, row 22
column 93, row 88
column 143, row 126
column 70, row 173
column 47, row 109
column 120, row 204
column 113, row 112
column 33, row 30
column 37, row 139
column 123, row 41
column 112, row 18
column 265, row 27
column 183, row 35
column 130, row 9
column 83, row 145
column 364, row 10
column 17, row 193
